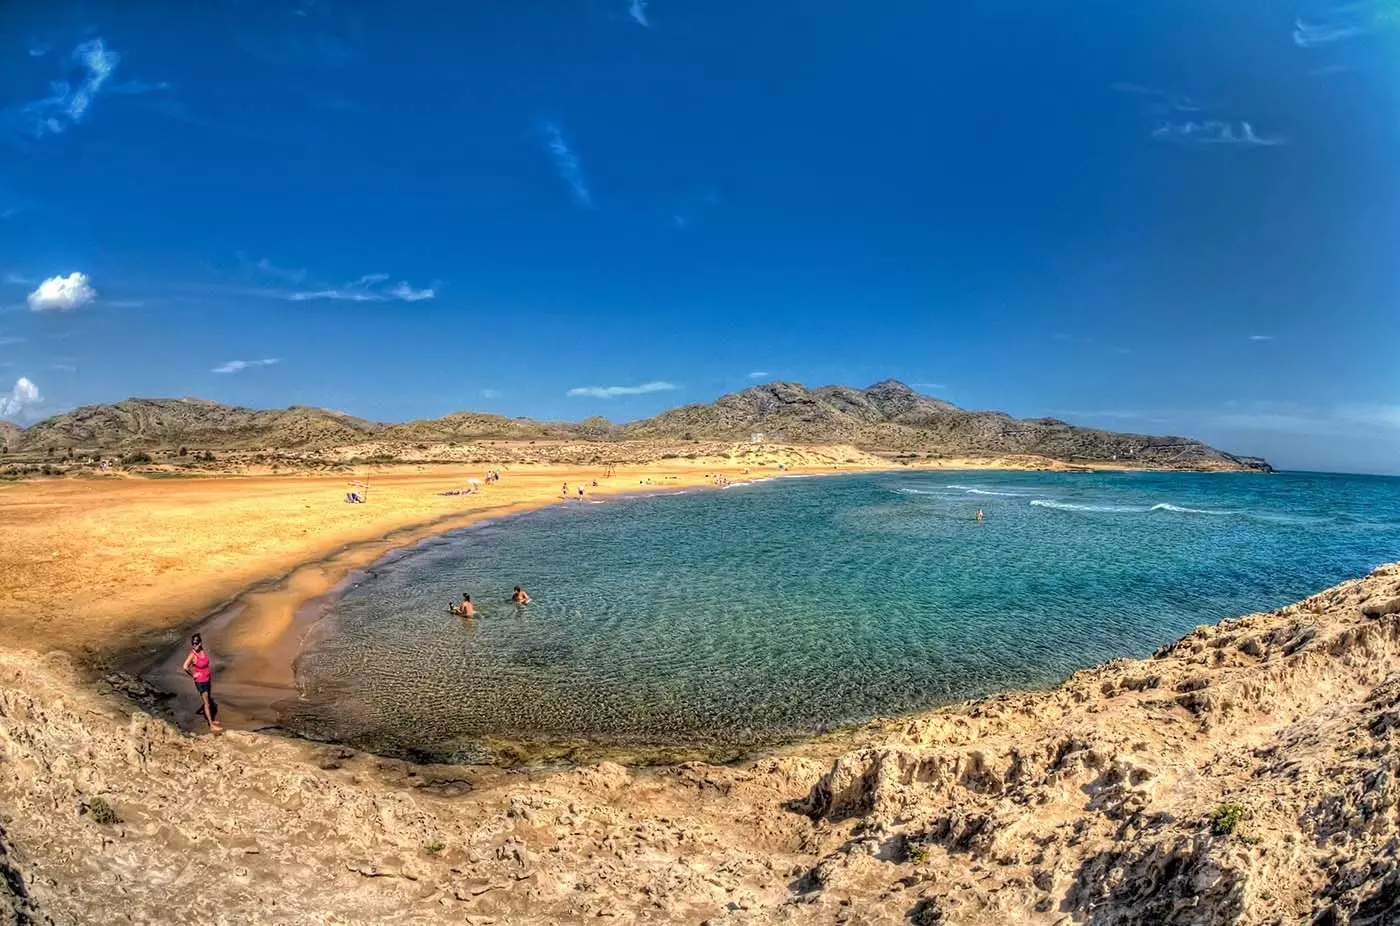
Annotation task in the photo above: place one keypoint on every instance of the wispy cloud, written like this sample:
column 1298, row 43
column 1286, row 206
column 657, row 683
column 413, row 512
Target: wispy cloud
column 1261, row 337
column 368, row 288
column 10, row 339
column 1206, row 128
column 928, row 385
column 68, row 101
column 758, row 374
column 237, row 366
column 610, row 392
column 637, row 9
column 37, row 48
column 65, row 367
column 566, row 164
column 403, row 291
column 489, row 393
column 62, row 294
column 23, row 396
column 18, row 279
column 1345, row 22
column 1215, row 132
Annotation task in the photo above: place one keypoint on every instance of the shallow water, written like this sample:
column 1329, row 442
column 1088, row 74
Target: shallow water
column 763, row 611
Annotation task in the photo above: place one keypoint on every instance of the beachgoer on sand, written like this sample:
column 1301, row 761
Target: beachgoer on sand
column 198, row 668
column 465, row 608
column 580, row 492
column 519, row 597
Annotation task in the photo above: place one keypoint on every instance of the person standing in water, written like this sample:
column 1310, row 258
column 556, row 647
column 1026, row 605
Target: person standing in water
column 465, row 608
column 519, row 596
column 197, row 667
column 979, row 515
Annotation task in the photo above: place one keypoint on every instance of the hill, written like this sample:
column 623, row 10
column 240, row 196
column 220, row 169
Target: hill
column 167, row 423
column 888, row 417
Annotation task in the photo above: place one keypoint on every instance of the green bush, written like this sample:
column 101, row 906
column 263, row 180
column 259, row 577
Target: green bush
column 1225, row 818
column 102, row 812
column 916, row 853
column 433, row 847
column 138, row 458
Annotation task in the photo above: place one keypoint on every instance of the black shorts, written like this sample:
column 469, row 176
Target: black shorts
column 204, row 688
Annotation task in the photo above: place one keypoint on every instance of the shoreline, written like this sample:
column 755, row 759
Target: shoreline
column 259, row 632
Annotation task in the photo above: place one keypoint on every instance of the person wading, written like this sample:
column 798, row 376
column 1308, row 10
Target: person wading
column 197, row 667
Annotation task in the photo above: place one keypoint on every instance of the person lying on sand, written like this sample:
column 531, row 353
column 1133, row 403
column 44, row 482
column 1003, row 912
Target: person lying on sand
column 198, row 668
column 519, row 597
column 465, row 609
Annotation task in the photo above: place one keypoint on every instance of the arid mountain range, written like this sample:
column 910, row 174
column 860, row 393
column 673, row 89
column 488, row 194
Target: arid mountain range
column 888, row 417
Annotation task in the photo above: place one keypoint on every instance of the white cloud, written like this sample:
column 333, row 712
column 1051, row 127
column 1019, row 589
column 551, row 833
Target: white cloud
column 609, row 392
column 757, row 374
column 928, row 385
column 1261, row 337
column 637, row 9
column 62, row 293
column 235, row 366
column 566, row 164
column 10, row 339
column 367, row 288
column 489, row 393
column 68, row 103
column 401, row 290
column 24, row 395
column 1215, row 132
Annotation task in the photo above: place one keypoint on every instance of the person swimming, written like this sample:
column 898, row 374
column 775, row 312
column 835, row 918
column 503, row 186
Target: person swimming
column 979, row 515
column 465, row 608
column 519, row 596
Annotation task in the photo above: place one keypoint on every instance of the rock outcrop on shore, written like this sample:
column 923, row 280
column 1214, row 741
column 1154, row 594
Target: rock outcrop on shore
column 1249, row 773
column 887, row 417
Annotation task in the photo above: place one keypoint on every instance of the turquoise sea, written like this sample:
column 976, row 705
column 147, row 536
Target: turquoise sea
column 759, row 612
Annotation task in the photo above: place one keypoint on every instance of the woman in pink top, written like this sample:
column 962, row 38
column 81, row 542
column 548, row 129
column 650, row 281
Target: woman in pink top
column 198, row 668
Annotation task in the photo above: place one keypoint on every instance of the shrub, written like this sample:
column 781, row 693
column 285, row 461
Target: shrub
column 102, row 812
column 138, row 458
column 916, row 853
column 184, row 451
column 1225, row 818
column 433, row 847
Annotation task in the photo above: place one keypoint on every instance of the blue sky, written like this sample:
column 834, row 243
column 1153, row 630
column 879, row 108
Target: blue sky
column 1162, row 217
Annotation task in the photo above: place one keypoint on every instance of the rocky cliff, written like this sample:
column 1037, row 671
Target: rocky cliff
column 1247, row 774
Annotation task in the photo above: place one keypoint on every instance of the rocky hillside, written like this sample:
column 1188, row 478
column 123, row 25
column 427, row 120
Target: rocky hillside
column 887, row 417
column 195, row 423
column 1244, row 775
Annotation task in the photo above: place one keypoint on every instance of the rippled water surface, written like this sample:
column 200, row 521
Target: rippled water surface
column 758, row 612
